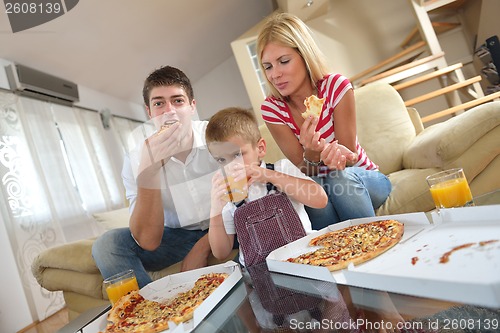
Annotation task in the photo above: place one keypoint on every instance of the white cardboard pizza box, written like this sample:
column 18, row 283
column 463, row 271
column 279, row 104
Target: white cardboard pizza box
column 276, row 260
column 472, row 274
column 171, row 285
column 224, row 311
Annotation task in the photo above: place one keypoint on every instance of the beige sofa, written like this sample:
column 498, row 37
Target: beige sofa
column 393, row 137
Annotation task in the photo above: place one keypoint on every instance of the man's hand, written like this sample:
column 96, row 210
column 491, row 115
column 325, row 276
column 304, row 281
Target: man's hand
column 198, row 256
column 164, row 144
column 155, row 153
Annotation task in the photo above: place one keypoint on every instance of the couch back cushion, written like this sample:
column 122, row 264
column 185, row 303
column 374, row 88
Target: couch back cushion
column 384, row 127
column 113, row 219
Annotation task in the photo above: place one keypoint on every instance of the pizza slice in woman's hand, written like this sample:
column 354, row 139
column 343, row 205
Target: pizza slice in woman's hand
column 314, row 106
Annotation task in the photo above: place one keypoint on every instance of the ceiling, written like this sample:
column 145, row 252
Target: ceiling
column 110, row 46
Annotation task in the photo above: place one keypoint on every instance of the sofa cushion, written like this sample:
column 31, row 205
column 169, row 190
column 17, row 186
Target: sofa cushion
column 381, row 114
column 118, row 218
column 442, row 143
column 410, row 192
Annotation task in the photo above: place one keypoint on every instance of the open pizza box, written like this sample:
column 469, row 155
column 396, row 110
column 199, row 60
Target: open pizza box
column 412, row 267
column 171, row 285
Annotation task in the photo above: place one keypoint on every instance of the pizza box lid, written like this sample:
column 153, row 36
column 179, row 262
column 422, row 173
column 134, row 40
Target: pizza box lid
column 414, row 224
column 170, row 285
column 475, row 270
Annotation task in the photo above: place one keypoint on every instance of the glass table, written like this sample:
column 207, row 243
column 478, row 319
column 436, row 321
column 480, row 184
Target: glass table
column 294, row 304
column 285, row 303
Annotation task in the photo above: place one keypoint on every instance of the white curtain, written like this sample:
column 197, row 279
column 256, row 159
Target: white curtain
column 57, row 167
column 107, row 170
column 124, row 128
column 64, row 192
column 25, row 206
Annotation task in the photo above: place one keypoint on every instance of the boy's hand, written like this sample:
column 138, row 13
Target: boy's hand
column 256, row 174
column 219, row 190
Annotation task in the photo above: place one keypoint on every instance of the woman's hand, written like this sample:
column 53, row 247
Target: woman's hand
column 309, row 137
column 336, row 156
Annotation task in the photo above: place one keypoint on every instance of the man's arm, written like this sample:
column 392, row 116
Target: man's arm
column 147, row 220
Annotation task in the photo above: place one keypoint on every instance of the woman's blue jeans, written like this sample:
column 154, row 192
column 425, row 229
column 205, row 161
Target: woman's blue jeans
column 352, row 193
column 117, row 251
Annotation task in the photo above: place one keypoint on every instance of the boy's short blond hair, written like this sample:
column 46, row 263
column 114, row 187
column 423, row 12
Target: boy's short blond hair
column 233, row 121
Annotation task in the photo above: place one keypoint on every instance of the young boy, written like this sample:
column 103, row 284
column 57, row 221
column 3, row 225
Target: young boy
column 233, row 139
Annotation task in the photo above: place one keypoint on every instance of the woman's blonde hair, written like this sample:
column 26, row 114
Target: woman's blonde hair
column 288, row 30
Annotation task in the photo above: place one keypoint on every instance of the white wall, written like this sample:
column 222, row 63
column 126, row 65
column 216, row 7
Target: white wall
column 354, row 37
column 221, row 88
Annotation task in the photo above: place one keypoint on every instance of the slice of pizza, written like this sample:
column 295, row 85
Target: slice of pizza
column 314, row 106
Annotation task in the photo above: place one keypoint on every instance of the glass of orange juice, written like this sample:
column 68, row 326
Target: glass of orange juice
column 450, row 189
column 120, row 284
column 236, row 190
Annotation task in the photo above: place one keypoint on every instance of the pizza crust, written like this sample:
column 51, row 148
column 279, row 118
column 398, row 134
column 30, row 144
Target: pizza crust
column 314, row 106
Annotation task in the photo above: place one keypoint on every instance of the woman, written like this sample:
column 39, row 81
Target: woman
column 325, row 148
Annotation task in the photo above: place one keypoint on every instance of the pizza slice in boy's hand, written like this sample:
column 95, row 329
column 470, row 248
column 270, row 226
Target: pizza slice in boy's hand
column 314, row 106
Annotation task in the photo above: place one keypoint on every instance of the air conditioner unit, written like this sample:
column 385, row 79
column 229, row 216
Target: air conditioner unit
column 40, row 85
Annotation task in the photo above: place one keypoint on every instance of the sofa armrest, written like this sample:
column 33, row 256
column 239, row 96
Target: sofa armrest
column 439, row 144
column 75, row 256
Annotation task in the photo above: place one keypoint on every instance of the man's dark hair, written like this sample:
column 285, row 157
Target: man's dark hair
column 167, row 76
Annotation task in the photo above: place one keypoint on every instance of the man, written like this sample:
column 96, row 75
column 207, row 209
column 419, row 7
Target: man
column 167, row 181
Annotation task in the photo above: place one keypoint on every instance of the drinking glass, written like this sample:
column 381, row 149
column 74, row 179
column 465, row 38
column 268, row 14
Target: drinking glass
column 120, row 284
column 449, row 189
column 236, row 190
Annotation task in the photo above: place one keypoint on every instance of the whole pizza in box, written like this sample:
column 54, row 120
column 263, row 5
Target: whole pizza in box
column 354, row 244
column 134, row 313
